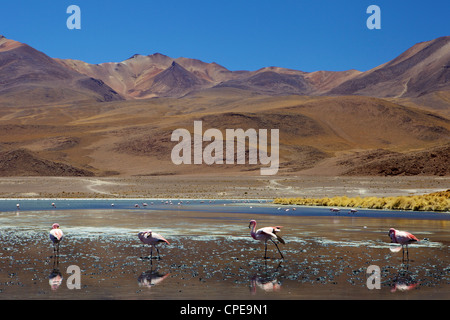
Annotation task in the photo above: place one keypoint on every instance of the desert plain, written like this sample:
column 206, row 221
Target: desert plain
column 218, row 187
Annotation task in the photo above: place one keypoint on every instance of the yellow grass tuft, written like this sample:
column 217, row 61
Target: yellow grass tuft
column 437, row 201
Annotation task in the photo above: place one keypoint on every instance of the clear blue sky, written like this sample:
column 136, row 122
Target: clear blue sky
column 306, row 35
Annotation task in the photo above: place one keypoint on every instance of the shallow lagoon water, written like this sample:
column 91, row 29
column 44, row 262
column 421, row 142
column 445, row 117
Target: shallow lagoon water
column 211, row 254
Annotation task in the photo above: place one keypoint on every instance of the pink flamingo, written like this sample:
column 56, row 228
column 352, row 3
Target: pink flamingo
column 265, row 234
column 56, row 235
column 153, row 239
column 403, row 238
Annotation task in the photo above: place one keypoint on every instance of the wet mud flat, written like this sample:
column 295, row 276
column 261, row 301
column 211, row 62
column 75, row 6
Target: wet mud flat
column 212, row 256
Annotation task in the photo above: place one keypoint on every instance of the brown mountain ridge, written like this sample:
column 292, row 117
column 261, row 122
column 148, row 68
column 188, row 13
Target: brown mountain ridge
column 69, row 118
column 422, row 69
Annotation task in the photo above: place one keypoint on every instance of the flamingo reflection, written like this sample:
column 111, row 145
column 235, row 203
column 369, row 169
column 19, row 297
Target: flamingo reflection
column 403, row 281
column 151, row 278
column 55, row 278
column 267, row 281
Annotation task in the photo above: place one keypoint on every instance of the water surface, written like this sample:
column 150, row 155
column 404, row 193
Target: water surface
column 211, row 254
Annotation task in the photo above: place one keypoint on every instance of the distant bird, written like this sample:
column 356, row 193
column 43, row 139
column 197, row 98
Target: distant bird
column 353, row 210
column 265, row 234
column 152, row 239
column 56, row 235
column 18, row 206
column 53, row 205
column 403, row 238
column 335, row 209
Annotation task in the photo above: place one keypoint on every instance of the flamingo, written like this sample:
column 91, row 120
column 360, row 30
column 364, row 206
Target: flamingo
column 153, row 239
column 265, row 234
column 56, row 235
column 403, row 238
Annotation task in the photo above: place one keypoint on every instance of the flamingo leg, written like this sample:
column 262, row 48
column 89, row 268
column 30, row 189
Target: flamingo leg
column 278, row 249
column 403, row 253
column 55, row 249
column 157, row 250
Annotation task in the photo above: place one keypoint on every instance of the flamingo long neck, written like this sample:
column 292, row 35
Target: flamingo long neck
column 253, row 233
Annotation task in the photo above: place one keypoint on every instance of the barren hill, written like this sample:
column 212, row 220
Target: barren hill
column 24, row 163
column 434, row 161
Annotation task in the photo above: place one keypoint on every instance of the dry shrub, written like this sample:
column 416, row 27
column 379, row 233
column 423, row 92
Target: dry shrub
column 437, row 201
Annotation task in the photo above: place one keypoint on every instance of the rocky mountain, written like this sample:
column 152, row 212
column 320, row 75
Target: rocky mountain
column 391, row 120
column 29, row 75
column 422, row 69
column 141, row 77
column 157, row 75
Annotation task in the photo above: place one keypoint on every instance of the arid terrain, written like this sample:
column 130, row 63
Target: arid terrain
column 69, row 118
column 218, row 187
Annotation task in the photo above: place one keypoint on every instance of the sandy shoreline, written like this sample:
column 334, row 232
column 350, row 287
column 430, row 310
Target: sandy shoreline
column 217, row 187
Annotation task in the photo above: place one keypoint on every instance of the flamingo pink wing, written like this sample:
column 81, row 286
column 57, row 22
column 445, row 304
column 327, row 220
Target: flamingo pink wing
column 411, row 236
column 405, row 237
column 160, row 238
column 57, row 233
column 266, row 232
